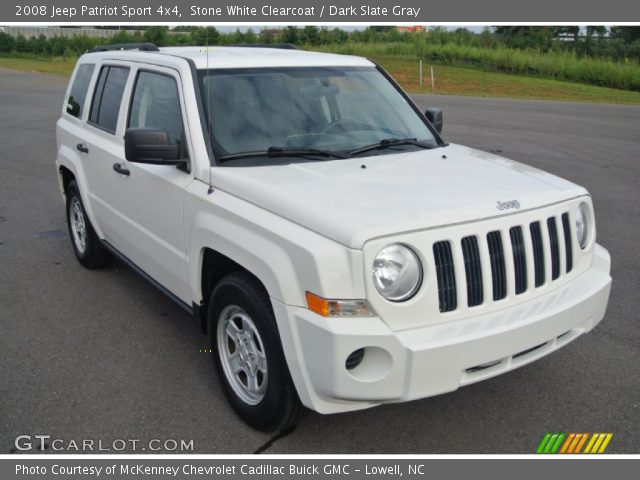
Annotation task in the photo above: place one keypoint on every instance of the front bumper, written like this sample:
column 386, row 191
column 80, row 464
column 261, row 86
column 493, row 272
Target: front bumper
column 426, row 361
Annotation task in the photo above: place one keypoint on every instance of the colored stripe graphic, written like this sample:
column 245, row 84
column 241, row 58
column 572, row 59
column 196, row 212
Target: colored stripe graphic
column 604, row 445
column 568, row 442
column 543, row 443
column 598, row 443
column 556, row 445
column 591, row 442
column 574, row 444
column 550, row 443
column 581, row 443
column 564, row 443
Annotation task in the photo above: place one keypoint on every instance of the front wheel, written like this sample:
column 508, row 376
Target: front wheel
column 248, row 354
column 86, row 245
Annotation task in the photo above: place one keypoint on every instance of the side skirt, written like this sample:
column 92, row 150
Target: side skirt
column 193, row 310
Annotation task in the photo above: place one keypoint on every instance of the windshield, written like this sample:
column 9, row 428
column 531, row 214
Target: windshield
column 322, row 109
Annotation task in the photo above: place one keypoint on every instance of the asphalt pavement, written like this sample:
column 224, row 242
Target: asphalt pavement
column 103, row 355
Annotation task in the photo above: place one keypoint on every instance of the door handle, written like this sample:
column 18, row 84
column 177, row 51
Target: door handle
column 121, row 169
column 82, row 148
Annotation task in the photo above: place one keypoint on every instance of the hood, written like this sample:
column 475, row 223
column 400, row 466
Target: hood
column 354, row 200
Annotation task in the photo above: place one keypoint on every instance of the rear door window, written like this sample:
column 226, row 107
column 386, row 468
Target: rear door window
column 107, row 97
column 78, row 94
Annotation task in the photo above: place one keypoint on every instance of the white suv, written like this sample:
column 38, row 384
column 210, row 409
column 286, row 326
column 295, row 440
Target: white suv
column 338, row 253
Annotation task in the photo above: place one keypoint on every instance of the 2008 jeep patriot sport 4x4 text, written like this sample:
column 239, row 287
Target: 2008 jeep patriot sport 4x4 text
column 337, row 251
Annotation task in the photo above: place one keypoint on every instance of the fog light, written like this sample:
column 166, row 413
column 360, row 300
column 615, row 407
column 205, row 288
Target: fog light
column 354, row 359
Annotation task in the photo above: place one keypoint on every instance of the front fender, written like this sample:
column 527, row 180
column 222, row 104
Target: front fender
column 287, row 258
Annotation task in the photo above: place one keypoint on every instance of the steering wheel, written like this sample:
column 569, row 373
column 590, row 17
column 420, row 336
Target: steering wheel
column 344, row 125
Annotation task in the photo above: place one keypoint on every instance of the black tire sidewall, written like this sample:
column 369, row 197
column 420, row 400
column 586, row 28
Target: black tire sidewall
column 73, row 192
column 94, row 255
column 269, row 413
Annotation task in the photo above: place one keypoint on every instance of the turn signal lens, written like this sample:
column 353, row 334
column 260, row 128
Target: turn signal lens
column 338, row 308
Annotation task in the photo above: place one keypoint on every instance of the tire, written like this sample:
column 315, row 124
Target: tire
column 248, row 355
column 86, row 245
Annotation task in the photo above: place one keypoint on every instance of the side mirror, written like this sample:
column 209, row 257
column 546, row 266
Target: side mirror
column 73, row 107
column 152, row 146
column 434, row 115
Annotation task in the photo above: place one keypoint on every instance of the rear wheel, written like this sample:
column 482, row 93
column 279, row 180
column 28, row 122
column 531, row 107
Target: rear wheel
column 86, row 244
column 249, row 356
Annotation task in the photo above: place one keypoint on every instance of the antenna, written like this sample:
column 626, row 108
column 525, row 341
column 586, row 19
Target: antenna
column 206, row 41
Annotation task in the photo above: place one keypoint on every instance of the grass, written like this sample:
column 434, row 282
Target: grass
column 558, row 65
column 449, row 80
column 55, row 65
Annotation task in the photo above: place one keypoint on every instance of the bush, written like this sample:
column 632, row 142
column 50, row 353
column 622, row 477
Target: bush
column 597, row 59
column 562, row 65
column 22, row 46
column 157, row 35
column 7, row 43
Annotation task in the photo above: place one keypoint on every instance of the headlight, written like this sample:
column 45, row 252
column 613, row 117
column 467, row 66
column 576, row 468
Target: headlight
column 397, row 273
column 582, row 225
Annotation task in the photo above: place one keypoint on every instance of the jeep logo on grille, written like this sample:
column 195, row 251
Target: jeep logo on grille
column 508, row 204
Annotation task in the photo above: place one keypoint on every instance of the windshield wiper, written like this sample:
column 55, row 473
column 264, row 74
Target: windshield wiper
column 282, row 152
column 389, row 142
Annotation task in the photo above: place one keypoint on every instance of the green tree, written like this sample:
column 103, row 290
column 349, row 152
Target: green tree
column 205, row 36
column 289, row 35
column 339, row 35
column 7, row 43
column 57, row 46
column 626, row 34
column 41, row 46
column 157, row 35
column 22, row 45
column 250, row 37
column 522, row 36
column 310, row 35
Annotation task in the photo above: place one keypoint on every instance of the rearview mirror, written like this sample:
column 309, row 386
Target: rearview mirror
column 434, row 115
column 152, row 146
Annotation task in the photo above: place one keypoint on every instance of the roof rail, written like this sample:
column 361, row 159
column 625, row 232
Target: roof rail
column 146, row 47
column 282, row 46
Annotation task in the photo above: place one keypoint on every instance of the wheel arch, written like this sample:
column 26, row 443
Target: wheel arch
column 66, row 177
column 214, row 266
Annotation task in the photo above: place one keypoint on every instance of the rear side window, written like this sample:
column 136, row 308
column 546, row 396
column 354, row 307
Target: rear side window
column 156, row 104
column 78, row 94
column 107, row 97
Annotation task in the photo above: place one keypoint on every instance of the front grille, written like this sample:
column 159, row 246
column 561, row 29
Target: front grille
column 519, row 259
column 472, row 270
column 555, row 250
column 447, row 294
column 498, row 271
column 538, row 255
column 507, row 271
column 567, row 241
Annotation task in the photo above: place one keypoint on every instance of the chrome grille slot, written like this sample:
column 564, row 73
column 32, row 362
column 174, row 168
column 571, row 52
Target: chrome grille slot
column 473, row 270
column 447, row 294
column 538, row 253
column 519, row 259
column 555, row 251
column 498, row 272
column 567, row 242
